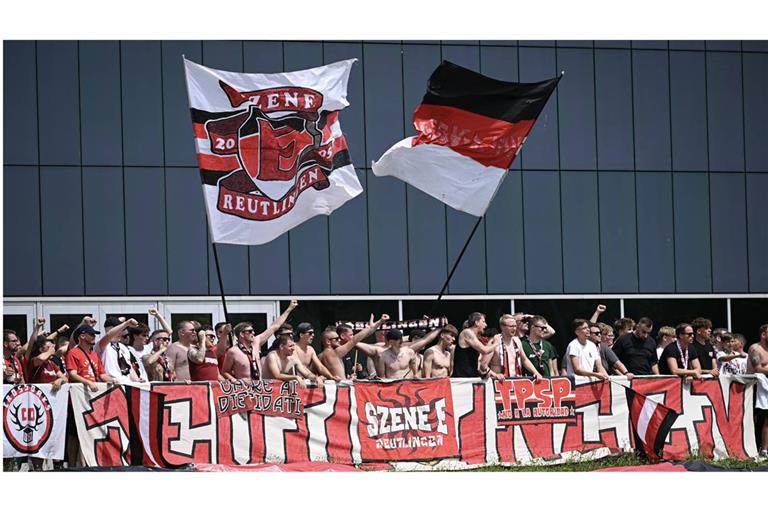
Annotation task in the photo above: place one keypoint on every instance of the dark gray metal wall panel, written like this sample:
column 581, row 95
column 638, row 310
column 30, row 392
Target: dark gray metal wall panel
column 756, row 111
column 536, row 43
column 576, row 102
column 612, row 44
column 62, row 230
column 693, row 257
column 650, row 45
column 586, row 43
column 269, row 263
column 58, row 103
column 580, row 232
column 352, row 118
column 20, row 104
column 104, row 226
column 686, row 45
column 470, row 274
column 541, row 221
column 383, row 98
column 754, row 46
column 387, row 235
column 613, row 93
column 142, row 103
column 729, row 233
column 233, row 259
column 100, row 108
column 348, row 239
column 724, row 110
column 618, row 232
column 177, row 123
column 650, row 72
column 22, row 273
column 504, row 243
column 501, row 64
column 309, row 250
column 187, row 232
column 689, row 115
column 427, row 258
column 493, row 42
column 731, row 46
column 655, row 233
column 541, row 148
column 145, row 234
column 757, row 220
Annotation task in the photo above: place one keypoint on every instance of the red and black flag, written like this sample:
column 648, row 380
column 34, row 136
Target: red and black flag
column 469, row 129
column 651, row 422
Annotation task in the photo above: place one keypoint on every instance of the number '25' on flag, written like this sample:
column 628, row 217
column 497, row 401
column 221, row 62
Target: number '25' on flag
column 469, row 129
column 270, row 148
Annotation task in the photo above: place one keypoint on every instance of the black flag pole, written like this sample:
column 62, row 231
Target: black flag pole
column 221, row 284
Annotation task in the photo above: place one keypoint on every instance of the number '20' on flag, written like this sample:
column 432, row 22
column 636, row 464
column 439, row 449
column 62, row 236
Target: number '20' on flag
column 469, row 129
column 270, row 148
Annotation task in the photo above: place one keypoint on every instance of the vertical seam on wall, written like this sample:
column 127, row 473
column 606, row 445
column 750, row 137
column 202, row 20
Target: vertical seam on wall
column 165, row 172
column 122, row 162
column 405, row 185
column 559, row 181
column 522, row 192
column 365, row 169
column 82, row 181
column 597, row 165
column 709, row 181
column 744, row 145
column 672, row 167
column 39, row 171
column 634, row 164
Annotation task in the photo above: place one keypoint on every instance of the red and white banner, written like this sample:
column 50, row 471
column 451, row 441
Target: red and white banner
column 261, row 396
column 166, row 424
column 406, row 420
column 34, row 420
column 270, row 148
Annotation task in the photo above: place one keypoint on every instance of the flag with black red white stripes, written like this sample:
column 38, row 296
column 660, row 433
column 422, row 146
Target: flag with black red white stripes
column 651, row 422
column 270, row 148
column 469, row 129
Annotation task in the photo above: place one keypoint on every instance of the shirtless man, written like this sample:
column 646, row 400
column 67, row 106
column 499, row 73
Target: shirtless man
column 757, row 362
column 397, row 361
column 438, row 360
column 375, row 350
column 466, row 355
column 334, row 350
column 242, row 360
column 177, row 353
column 306, row 353
column 509, row 359
column 282, row 363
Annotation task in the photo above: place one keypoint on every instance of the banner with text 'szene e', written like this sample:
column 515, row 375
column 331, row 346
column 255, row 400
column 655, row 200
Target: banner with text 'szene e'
column 409, row 425
column 270, row 149
column 34, row 420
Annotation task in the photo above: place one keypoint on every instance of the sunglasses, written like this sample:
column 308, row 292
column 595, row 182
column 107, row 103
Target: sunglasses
column 163, row 338
column 211, row 336
column 249, row 331
column 335, row 338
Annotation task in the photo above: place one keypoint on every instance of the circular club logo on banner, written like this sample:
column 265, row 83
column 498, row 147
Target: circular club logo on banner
column 27, row 418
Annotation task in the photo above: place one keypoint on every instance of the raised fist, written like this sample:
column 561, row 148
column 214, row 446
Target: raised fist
column 385, row 317
column 153, row 311
column 121, row 318
column 601, row 308
column 40, row 322
column 132, row 322
column 294, row 303
column 227, row 328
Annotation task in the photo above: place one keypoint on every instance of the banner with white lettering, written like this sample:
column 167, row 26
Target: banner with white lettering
column 34, row 420
column 414, row 425
column 270, row 148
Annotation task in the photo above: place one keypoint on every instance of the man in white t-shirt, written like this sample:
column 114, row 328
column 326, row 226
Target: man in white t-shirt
column 583, row 357
column 115, row 355
column 139, row 348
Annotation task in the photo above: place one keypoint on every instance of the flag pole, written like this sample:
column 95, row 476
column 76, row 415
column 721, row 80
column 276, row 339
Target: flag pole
column 221, row 284
column 455, row 265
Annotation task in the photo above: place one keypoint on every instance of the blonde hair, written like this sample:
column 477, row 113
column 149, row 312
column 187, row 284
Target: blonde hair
column 666, row 331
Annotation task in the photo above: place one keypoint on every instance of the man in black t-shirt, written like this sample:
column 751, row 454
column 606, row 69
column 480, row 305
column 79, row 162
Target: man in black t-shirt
column 704, row 349
column 679, row 357
column 637, row 349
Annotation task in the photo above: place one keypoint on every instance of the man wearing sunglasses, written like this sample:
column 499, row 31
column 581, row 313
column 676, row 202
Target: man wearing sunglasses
column 113, row 350
column 334, row 352
column 242, row 360
column 203, row 365
column 306, row 353
column 679, row 357
column 156, row 363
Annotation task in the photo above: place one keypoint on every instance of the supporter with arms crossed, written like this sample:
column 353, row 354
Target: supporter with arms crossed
column 680, row 358
column 242, row 360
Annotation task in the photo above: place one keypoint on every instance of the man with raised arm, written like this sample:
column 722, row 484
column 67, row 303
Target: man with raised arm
column 282, row 363
column 332, row 355
column 177, row 353
column 466, row 354
column 203, row 365
column 115, row 355
column 156, row 363
column 84, row 366
column 306, row 353
column 509, row 359
column 540, row 352
column 438, row 360
column 242, row 359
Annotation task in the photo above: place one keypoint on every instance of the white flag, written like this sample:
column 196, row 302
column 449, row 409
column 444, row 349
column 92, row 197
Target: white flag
column 270, row 148
column 34, row 420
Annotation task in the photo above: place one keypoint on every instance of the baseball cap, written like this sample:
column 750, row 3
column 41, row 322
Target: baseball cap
column 87, row 329
column 304, row 327
column 394, row 334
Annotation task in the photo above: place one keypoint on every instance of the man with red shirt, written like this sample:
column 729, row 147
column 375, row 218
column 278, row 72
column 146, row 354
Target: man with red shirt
column 203, row 364
column 42, row 368
column 83, row 364
column 13, row 372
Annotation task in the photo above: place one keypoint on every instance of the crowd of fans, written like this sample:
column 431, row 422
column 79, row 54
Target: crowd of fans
column 126, row 351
